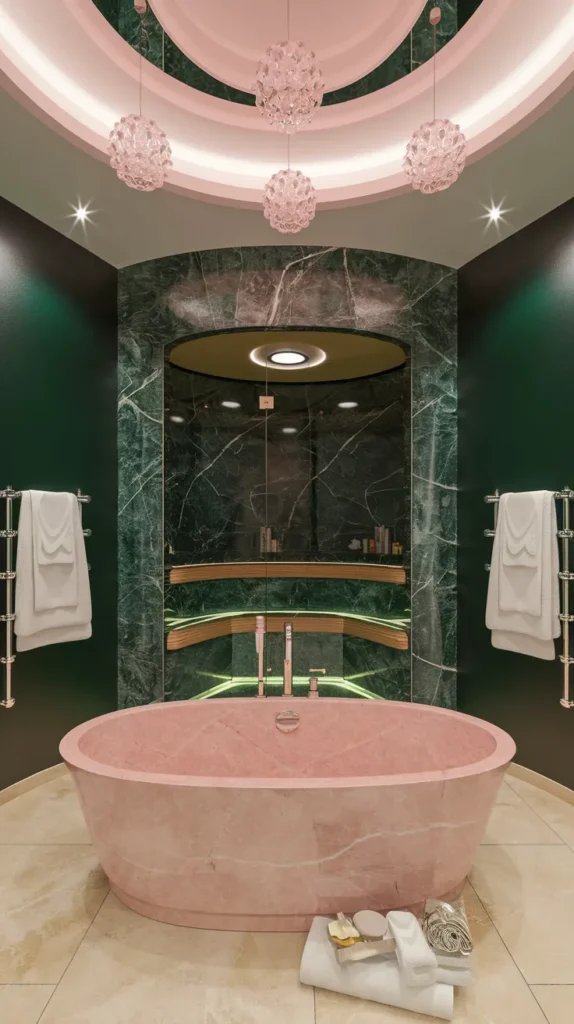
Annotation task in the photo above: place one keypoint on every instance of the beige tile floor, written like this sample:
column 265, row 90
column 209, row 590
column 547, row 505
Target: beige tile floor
column 70, row 953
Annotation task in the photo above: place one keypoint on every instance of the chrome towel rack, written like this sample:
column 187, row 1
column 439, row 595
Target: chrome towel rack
column 565, row 575
column 9, row 534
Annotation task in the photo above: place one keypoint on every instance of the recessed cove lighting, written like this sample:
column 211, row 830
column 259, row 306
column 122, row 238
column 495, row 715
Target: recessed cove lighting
column 288, row 357
column 177, row 419
column 347, row 405
column 228, row 404
column 288, row 430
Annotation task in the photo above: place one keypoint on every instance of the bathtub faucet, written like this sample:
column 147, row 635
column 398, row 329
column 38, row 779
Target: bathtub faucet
column 260, row 650
column 288, row 661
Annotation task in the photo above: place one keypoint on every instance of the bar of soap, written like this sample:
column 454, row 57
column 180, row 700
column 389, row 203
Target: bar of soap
column 342, row 928
column 370, row 924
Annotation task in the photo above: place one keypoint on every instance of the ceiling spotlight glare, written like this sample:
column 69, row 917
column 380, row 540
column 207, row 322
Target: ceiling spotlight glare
column 288, row 358
column 228, row 404
column 288, row 430
column 81, row 214
column 347, row 405
column 177, row 419
column 495, row 214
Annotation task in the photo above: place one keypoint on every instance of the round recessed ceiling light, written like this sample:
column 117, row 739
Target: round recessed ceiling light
column 288, row 430
column 228, row 404
column 347, row 405
column 288, row 357
column 177, row 419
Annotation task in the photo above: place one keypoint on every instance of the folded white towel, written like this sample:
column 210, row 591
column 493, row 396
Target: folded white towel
column 381, row 981
column 53, row 524
column 54, row 561
column 416, row 959
column 523, row 513
column 523, row 603
column 56, row 619
column 461, row 977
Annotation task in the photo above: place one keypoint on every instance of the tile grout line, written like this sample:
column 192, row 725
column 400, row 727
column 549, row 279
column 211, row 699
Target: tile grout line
column 486, row 911
column 539, row 816
column 73, row 957
column 539, row 1003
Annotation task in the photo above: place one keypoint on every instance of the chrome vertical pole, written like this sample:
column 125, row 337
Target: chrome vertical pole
column 8, row 617
column 565, row 535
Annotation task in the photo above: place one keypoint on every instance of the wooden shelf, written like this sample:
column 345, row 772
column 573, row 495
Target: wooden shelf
column 288, row 570
column 321, row 623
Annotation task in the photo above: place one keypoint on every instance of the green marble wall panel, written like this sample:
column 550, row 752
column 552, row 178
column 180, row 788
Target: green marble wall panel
column 164, row 300
column 414, row 50
column 362, row 597
column 379, row 669
column 198, row 668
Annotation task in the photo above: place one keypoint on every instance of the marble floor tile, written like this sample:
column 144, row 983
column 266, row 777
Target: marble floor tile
column 507, row 795
column 49, row 814
column 49, row 896
column 529, row 893
column 131, row 970
column 517, row 823
column 555, row 812
column 23, row 1004
column 557, row 1001
column 499, row 996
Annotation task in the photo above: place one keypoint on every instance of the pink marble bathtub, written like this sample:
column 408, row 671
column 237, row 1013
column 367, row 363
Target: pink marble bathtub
column 203, row 813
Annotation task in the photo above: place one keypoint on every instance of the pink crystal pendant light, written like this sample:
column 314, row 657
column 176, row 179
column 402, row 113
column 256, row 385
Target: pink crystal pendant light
column 139, row 150
column 288, row 84
column 288, row 90
column 436, row 152
column 289, row 201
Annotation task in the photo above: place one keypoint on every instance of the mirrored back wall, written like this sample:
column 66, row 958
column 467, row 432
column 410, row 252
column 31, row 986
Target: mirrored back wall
column 323, row 472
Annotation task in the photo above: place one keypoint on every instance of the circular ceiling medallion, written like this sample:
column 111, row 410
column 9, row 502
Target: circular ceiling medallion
column 327, row 355
column 228, row 40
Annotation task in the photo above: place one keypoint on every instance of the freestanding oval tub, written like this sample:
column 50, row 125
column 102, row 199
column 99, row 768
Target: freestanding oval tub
column 205, row 813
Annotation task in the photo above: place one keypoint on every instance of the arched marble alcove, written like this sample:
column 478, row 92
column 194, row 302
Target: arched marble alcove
column 285, row 287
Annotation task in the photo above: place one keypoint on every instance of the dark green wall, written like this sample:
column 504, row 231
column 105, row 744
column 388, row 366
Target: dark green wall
column 58, row 432
column 516, row 432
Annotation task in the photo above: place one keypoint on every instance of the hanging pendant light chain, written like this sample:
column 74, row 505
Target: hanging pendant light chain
column 141, row 33
column 139, row 150
column 436, row 153
column 434, row 72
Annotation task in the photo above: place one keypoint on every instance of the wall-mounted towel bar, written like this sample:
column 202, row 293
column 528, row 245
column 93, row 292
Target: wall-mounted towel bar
column 565, row 575
column 8, row 575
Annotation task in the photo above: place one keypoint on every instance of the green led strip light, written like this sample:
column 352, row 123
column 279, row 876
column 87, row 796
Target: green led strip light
column 277, row 682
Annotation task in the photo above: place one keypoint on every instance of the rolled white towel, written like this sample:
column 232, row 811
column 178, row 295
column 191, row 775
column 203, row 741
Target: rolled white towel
column 381, row 982
column 416, row 959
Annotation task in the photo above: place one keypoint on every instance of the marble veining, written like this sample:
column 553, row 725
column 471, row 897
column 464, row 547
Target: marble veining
column 163, row 301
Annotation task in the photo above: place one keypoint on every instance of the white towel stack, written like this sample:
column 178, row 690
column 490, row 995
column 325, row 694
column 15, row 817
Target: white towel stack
column 53, row 603
column 523, row 603
column 381, row 982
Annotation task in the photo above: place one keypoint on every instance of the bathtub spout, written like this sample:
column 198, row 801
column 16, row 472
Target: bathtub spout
column 260, row 649
column 288, row 661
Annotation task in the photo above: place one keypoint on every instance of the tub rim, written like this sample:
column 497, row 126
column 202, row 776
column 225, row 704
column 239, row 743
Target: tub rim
column 69, row 748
